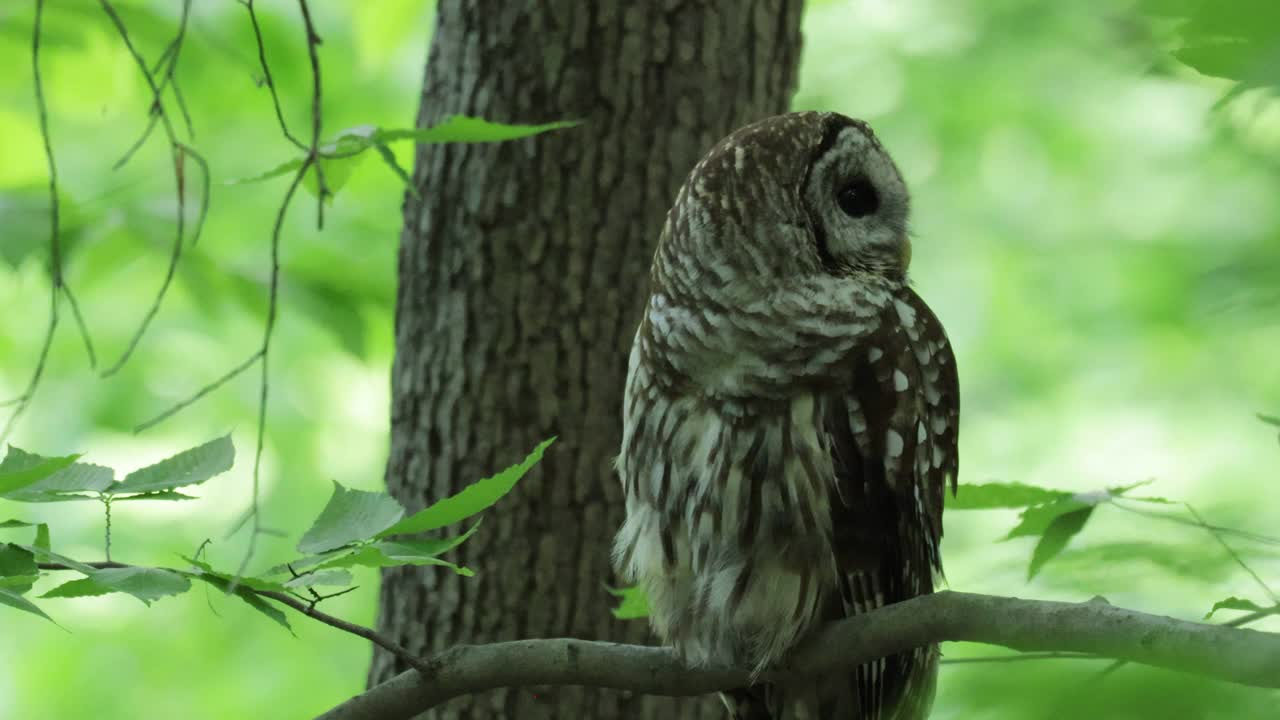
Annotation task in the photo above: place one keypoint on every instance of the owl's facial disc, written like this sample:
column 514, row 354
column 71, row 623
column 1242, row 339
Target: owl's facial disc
column 857, row 203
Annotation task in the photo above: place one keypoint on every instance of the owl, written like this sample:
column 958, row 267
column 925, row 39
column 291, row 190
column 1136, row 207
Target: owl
column 790, row 417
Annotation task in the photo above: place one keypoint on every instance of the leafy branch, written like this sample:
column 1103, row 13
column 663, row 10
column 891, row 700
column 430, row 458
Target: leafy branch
column 355, row 529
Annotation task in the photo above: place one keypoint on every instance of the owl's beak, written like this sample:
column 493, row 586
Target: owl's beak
column 906, row 253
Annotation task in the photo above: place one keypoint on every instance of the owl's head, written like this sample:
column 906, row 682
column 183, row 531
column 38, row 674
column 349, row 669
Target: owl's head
column 794, row 194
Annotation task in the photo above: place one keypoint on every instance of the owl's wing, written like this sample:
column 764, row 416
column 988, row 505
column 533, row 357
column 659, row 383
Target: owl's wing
column 893, row 439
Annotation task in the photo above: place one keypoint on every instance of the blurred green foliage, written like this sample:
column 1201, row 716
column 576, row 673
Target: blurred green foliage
column 1097, row 225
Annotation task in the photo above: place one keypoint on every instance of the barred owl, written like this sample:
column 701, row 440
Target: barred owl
column 790, row 416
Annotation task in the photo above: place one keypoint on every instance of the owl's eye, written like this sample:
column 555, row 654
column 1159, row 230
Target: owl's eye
column 859, row 198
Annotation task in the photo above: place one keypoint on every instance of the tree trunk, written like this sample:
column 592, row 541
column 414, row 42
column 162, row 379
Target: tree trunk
column 523, row 267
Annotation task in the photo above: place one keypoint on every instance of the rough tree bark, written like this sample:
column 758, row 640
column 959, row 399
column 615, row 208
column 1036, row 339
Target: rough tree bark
column 522, row 270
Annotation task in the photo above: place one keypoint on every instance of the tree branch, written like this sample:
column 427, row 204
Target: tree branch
column 1248, row 657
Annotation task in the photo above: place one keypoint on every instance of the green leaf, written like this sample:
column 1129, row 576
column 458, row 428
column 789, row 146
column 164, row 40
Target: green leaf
column 351, row 515
column 336, row 173
column 189, row 467
column 474, row 498
column 252, row 583
column 42, row 536
column 18, row 583
column 245, row 593
column 16, row 474
column 15, row 524
column 384, row 554
column 463, row 129
column 1035, row 520
column 634, row 605
column 15, row 600
column 75, row 478
column 390, row 554
column 1001, row 495
column 145, row 584
column 322, row 577
column 1056, row 536
column 1234, row 603
column 48, row 556
column 17, row 561
column 1269, row 419
column 80, row 587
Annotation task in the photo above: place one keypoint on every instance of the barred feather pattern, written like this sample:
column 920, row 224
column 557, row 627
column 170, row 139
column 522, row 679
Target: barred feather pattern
column 790, row 428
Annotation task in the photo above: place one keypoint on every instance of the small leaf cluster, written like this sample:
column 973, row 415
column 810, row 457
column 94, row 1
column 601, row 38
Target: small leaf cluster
column 355, row 529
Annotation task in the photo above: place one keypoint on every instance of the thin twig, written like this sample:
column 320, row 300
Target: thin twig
column 313, row 41
column 23, row 401
column 1245, row 534
column 273, row 298
column 179, row 153
column 191, row 400
column 1023, row 657
column 80, row 323
column 305, row 607
column 266, row 75
column 1234, row 555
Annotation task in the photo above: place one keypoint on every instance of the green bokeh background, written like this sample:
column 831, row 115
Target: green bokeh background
column 1099, row 234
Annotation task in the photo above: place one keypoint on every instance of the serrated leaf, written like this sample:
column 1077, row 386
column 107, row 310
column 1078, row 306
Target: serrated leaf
column 16, row 473
column 75, row 478
column 402, row 553
column 1234, row 603
column 330, row 578
column 189, row 467
column 1033, row 521
column 350, row 516
column 1002, row 495
column 145, row 584
column 474, row 498
column 17, row 561
column 1056, row 536
column 253, row 583
column 390, row 554
column 80, row 587
column 47, row 556
column 18, row 583
column 634, row 605
column 463, row 129
column 14, row 600
column 245, row 593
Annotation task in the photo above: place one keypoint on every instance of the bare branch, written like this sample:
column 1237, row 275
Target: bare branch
column 1242, row 656
column 266, row 76
column 23, row 401
column 179, row 153
column 313, row 41
column 273, row 299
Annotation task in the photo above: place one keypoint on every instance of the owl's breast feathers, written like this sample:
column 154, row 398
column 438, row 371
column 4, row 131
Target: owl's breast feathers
column 750, row 522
